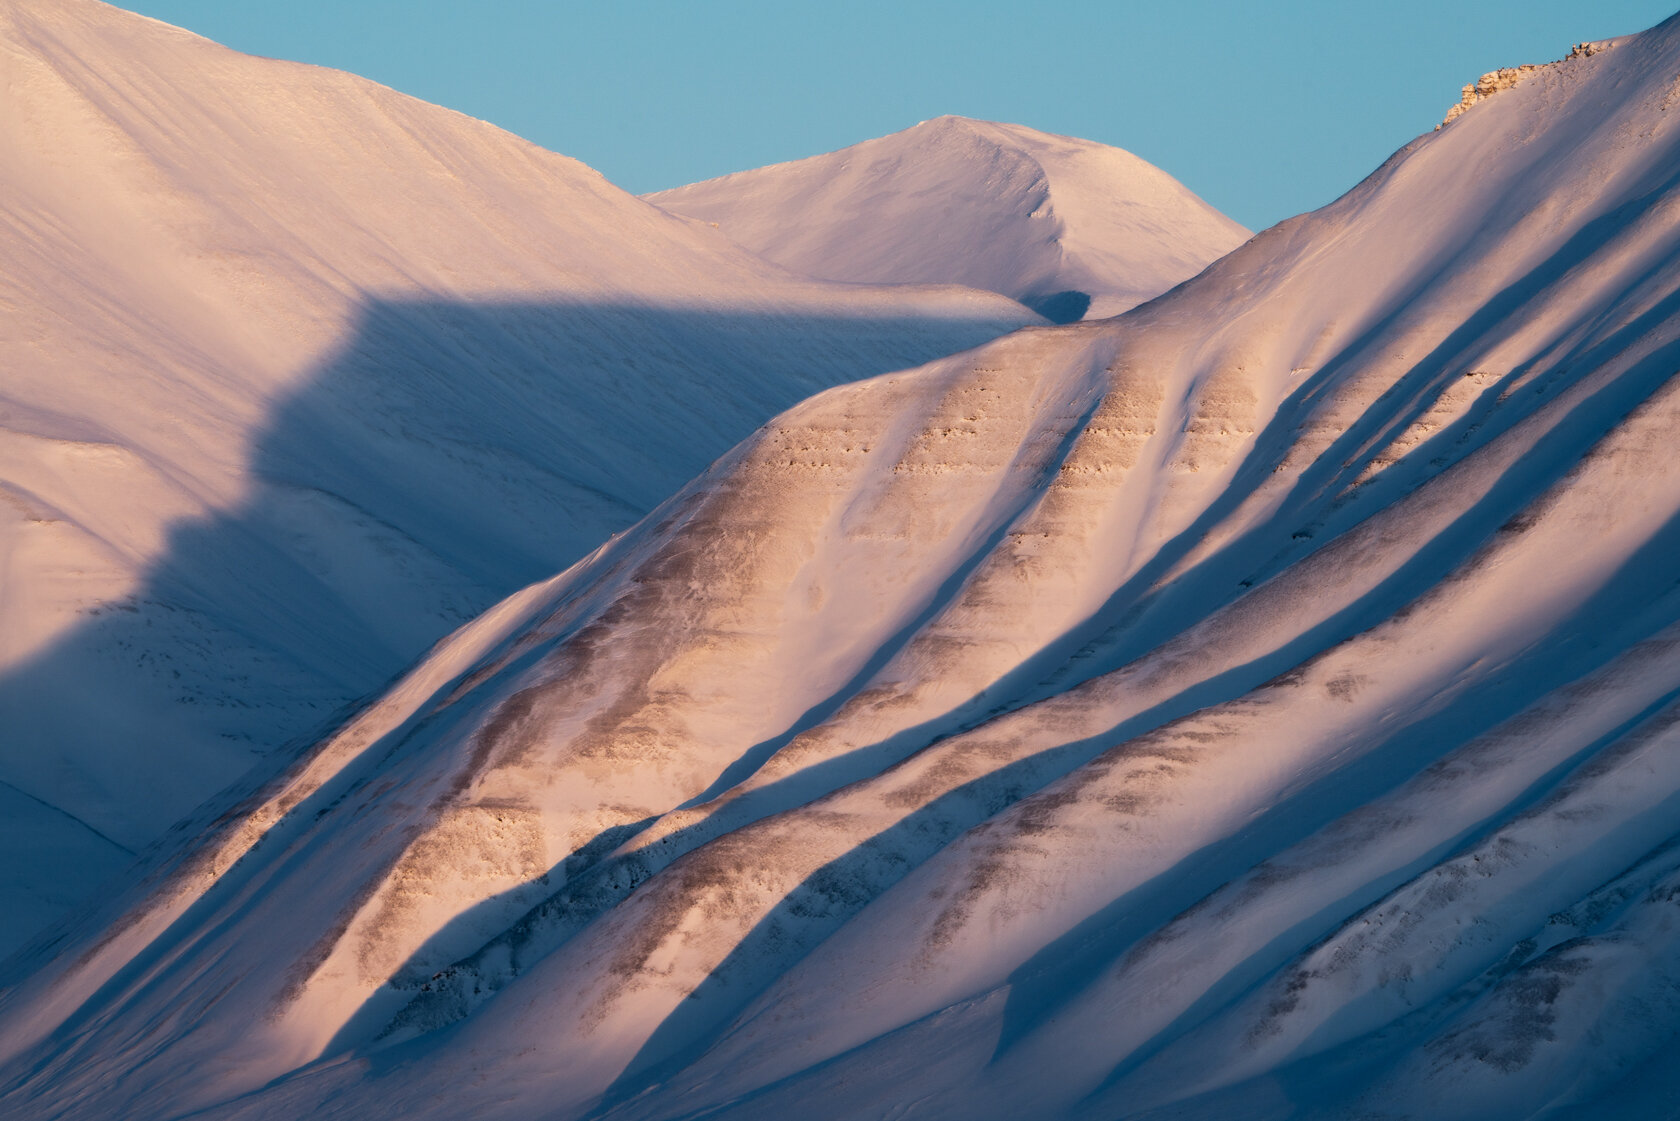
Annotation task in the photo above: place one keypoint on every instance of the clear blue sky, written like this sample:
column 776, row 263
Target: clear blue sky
column 1264, row 109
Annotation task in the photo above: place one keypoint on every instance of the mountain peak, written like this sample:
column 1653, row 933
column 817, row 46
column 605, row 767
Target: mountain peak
column 237, row 292
column 1069, row 227
column 1265, row 703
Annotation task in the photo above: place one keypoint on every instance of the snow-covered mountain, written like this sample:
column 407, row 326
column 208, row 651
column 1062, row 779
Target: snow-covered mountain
column 1069, row 227
column 1259, row 705
column 300, row 374
column 1262, row 704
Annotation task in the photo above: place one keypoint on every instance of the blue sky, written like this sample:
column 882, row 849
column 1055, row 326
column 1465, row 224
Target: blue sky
column 1264, row 109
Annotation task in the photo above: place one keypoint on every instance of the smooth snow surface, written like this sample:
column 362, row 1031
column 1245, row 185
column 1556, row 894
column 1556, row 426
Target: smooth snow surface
column 298, row 375
column 1265, row 704
column 1069, row 227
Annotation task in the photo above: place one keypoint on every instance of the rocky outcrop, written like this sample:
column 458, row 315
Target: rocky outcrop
column 1488, row 85
column 1507, row 76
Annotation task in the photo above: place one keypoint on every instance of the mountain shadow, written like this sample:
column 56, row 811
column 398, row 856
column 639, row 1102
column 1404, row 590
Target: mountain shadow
column 1060, row 307
column 446, row 455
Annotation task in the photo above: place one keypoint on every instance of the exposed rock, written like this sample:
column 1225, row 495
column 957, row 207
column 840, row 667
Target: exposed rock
column 1488, row 85
column 1507, row 76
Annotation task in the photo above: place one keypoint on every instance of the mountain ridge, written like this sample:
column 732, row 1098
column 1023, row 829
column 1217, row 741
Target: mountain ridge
column 281, row 341
column 1069, row 227
column 1262, row 701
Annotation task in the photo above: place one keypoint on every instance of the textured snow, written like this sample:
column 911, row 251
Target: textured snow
column 1262, row 704
column 1049, row 220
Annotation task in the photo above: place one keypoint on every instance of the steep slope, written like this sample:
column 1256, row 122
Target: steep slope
column 300, row 374
column 1262, row 704
column 1068, row 227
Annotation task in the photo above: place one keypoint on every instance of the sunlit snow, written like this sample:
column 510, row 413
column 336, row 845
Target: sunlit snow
column 1262, row 704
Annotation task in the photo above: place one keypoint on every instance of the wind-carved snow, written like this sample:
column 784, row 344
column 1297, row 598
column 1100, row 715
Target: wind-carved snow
column 1069, row 227
column 1261, row 704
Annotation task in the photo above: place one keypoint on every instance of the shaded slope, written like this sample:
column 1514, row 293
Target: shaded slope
column 301, row 373
column 1262, row 702
column 1068, row 227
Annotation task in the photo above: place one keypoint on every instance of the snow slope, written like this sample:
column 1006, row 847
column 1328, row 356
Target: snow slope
column 1263, row 705
column 1049, row 220
column 299, row 375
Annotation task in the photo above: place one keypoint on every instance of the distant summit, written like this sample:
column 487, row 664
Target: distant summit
column 1069, row 227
